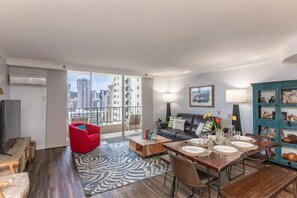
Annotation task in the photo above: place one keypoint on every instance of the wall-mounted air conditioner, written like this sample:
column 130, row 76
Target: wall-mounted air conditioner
column 15, row 79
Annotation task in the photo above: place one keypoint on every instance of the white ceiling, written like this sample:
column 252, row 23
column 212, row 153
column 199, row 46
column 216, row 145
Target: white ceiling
column 159, row 37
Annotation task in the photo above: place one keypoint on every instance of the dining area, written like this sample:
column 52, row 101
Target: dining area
column 201, row 163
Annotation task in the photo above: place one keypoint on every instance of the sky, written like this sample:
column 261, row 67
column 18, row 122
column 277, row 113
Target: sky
column 100, row 81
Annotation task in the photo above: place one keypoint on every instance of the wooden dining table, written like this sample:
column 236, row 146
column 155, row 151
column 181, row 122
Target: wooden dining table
column 217, row 161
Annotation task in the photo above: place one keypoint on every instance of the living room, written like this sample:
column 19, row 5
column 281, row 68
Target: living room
column 156, row 48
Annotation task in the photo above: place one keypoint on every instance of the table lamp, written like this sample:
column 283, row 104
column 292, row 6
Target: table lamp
column 236, row 96
column 169, row 98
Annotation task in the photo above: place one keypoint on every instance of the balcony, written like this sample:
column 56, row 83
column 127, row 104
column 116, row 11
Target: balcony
column 108, row 118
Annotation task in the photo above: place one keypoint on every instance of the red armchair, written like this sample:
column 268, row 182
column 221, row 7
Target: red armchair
column 82, row 141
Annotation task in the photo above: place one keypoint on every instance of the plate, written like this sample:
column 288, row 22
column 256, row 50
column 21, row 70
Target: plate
column 242, row 144
column 193, row 149
column 245, row 138
column 225, row 149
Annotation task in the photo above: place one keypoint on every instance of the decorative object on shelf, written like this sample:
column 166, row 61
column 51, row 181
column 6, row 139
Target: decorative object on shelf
column 169, row 98
column 291, row 117
column 267, row 115
column 291, row 138
column 290, row 156
column 284, row 115
column 289, row 96
column 201, row 96
column 236, row 96
column 272, row 100
column 268, row 132
column 263, row 100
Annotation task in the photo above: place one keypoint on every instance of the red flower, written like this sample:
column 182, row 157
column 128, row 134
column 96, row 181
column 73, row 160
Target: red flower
column 218, row 120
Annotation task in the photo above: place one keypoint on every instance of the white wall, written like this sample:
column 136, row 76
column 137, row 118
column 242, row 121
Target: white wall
column 236, row 78
column 56, row 108
column 56, row 99
column 4, row 80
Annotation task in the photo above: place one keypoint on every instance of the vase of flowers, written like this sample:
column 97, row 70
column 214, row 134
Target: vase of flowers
column 217, row 122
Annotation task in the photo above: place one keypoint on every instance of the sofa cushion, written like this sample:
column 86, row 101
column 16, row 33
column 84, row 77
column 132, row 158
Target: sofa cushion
column 179, row 124
column 197, row 120
column 208, row 126
column 188, row 118
column 170, row 132
column 185, row 135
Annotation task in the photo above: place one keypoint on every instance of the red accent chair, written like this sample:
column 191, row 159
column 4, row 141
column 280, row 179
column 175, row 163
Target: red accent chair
column 82, row 141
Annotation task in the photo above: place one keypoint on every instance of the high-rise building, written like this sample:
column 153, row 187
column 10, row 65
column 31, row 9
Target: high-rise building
column 83, row 93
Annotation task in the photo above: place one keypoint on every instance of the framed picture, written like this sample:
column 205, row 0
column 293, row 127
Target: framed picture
column 202, row 96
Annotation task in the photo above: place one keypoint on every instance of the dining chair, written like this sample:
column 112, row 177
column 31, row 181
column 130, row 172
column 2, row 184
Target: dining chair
column 186, row 173
column 261, row 156
column 165, row 158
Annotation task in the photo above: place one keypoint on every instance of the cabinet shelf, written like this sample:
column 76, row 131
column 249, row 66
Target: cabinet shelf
column 277, row 89
column 288, row 105
column 266, row 104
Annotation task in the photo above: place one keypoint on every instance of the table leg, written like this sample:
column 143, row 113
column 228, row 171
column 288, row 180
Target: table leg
column 219, row 184
column 208, row 181
column 295, row 189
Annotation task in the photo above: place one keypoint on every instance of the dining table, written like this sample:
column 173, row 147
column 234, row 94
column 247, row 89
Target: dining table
column 219, row 161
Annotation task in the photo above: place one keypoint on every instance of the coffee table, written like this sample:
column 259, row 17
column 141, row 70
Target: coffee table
column 147, row 147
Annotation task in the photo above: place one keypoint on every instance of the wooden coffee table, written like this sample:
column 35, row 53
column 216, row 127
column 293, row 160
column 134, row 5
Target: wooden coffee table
column 147, row 147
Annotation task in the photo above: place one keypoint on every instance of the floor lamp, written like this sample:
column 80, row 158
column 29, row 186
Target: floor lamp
column 236, row 96
column 168, row 98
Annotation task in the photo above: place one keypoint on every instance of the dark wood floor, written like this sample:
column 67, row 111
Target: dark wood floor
column 53, row 174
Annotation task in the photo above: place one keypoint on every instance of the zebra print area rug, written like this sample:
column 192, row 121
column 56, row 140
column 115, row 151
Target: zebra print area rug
column 112, row 166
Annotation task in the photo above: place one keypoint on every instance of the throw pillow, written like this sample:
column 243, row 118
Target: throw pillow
column 207, row 126
column 171, row 121
column 82, row 127
column 199, row 129
column 179, row 124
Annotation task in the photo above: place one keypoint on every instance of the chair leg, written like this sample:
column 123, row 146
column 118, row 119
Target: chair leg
column 173, row 187
column 193, row 192
column 166, row 174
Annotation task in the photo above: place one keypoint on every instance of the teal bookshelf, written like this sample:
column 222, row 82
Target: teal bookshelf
column 276, row 124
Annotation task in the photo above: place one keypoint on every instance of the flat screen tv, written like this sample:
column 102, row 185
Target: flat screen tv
column 10, row 121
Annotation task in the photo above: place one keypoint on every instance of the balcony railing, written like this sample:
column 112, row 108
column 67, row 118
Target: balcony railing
column 103, row 115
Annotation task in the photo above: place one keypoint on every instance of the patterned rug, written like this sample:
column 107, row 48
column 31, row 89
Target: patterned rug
column 112, row 166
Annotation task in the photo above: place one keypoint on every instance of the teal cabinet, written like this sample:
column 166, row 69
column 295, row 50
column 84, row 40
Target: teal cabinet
column 273, row 103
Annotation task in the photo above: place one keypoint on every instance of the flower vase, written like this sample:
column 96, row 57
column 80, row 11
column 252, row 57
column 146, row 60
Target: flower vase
column 219, row 136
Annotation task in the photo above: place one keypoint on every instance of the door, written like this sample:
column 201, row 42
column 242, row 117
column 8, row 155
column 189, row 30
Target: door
column 33, row 112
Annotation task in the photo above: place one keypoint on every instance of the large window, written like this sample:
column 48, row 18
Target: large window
column 102, row 98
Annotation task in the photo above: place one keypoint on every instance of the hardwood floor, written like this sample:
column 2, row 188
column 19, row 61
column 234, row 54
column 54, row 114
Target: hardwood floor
column 53, row 174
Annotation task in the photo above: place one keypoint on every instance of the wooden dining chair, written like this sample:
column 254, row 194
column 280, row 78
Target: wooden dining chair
column 165, row 158
column 256, row 157
column 186, row 173
column 261, row 156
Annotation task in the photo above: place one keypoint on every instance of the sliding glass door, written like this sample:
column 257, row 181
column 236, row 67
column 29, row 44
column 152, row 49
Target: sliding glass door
column 107, row 104
column 114, row 102
column 132, row 105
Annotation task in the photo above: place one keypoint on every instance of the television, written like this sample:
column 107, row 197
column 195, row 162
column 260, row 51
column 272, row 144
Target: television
column 10, row 121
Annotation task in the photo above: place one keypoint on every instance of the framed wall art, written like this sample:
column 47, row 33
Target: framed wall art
column 202, row 96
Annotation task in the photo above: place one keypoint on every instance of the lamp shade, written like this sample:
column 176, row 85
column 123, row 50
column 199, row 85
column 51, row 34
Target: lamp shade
column 1, row 91
column 169, row 98
column 236, row 96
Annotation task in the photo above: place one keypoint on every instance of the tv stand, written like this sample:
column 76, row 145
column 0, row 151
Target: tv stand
column 17, row 157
